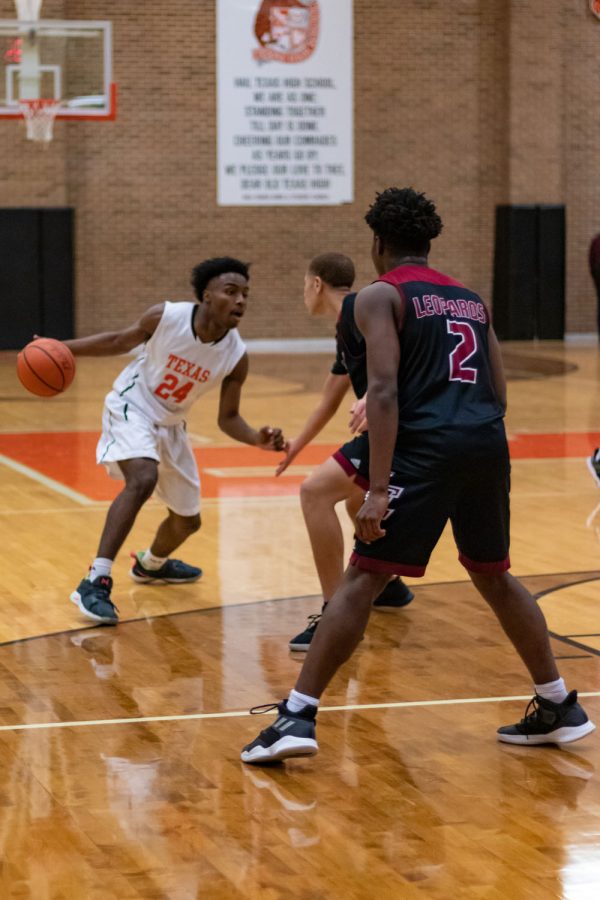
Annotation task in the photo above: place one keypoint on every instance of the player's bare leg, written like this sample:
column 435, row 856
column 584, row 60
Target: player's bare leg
column 319, row 494
column 172, row 532
column 154, row 566
column 341, row 628
column 553, row 716
column 141, row 476
column 522, row 620
column 93, row 594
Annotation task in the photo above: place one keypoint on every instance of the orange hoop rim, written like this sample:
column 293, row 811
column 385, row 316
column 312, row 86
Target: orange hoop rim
column 39, row 104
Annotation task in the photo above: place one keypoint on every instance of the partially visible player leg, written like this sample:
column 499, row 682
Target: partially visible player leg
column 154, row 565
column 319, row 494
column 327, row 486
column 178, row 487
column 553, row 716
column 92, row 595
column 481, row 527
column 342, row 626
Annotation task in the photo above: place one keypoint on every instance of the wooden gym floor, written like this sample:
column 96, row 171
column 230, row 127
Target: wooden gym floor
column 120, row 773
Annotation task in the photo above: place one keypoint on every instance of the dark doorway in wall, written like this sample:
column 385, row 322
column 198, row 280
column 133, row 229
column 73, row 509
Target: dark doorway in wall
column 529, row 272
column 36, row 275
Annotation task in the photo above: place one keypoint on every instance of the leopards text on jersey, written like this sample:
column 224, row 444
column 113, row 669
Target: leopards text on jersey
column 174, row 368
column 444, row 377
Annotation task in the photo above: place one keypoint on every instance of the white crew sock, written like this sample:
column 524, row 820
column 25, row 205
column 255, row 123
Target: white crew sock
column 99, row 567
column 297, row 701
column 151, row 562
column 552, row 690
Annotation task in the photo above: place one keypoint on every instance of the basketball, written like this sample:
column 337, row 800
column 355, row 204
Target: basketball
column 45, row 367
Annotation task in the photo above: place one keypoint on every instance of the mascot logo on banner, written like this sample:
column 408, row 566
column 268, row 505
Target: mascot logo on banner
column 287, row 30
column 595, row 7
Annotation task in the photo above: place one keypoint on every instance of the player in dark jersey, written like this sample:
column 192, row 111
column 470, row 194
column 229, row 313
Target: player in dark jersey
column 342, row 477
column 438, row 451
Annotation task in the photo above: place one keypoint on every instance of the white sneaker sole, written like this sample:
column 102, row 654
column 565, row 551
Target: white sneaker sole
column 299, row 648
column 285, row 748
column 564, row 735
column 76, row 599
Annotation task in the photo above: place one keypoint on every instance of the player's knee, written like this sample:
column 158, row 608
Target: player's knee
column 142, row 484
column 491, row 585
column 309, row 492
column 191, row 524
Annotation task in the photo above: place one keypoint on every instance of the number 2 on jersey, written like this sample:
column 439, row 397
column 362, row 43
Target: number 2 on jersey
column 462, row 352
column 169, row 389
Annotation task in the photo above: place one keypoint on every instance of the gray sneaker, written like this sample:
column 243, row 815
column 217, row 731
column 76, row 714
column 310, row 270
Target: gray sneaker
column 93, row 599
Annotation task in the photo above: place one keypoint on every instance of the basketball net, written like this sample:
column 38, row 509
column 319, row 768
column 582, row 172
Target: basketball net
column 28, row 10
column 39, row 118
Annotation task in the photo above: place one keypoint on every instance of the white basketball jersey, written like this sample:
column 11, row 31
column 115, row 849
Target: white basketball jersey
column 174, row 368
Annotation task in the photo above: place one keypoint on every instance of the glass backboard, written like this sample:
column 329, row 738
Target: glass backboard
column 51, row 59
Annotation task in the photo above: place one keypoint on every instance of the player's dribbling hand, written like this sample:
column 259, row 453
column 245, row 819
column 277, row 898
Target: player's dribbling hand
column 369, row 516
column 271, row 439
column 358, row 416
column 291, row 452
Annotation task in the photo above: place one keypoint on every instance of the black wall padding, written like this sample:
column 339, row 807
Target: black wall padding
column 36, row 275
column 529, row 272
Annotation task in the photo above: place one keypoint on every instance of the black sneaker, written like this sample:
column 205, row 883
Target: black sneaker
column 395, row 595
column 291, row 734
column 173, row 571
column 302, row 641
column 93, row 599
column 593, row 464
column 549, row 723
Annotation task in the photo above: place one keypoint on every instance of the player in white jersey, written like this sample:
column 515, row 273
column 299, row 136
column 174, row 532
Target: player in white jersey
column 187, row 349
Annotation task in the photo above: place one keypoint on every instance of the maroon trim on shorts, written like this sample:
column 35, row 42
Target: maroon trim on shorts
column 350, row 470
column 484, row 568
column 389, row 568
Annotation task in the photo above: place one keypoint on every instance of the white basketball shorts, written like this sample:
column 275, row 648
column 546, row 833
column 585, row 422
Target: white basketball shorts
column 128, row 434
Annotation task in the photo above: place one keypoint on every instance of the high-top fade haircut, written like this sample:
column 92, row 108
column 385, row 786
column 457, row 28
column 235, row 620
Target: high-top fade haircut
column 405, row 220
column 335, row 269
column 212, row 268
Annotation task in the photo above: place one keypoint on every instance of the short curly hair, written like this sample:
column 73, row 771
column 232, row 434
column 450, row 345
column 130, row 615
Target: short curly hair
column 212, row 268
column 404, row 219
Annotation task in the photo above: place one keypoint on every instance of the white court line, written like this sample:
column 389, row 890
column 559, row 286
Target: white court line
column 99, row 505
column 43, row 479
column 142, row 720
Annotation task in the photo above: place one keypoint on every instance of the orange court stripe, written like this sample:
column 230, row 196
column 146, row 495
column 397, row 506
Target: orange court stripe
column 69, row 458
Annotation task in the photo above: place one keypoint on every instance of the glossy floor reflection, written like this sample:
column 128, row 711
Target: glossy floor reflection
column 417, row 799
column 120, row 774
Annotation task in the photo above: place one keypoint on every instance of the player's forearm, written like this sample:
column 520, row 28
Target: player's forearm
column 315, row 423
column 110, row 343
column 334, row 391
column 382, row 413
column 237, row 428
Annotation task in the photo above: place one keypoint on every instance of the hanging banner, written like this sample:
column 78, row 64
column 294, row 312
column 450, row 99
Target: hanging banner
column 284, row 96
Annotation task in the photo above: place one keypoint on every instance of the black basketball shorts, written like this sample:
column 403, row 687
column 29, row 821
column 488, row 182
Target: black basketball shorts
column 472, row 492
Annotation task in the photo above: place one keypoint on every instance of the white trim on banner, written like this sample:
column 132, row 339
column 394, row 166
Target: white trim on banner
column 285, row 102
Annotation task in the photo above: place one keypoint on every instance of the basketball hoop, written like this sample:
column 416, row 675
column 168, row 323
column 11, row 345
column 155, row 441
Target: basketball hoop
column 39, row 118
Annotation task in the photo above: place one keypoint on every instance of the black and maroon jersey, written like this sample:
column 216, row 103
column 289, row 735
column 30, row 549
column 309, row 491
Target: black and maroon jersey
column 444, row 378
column 351, row 350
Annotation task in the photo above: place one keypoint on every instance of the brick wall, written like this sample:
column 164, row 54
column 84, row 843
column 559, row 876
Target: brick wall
column 475, row 102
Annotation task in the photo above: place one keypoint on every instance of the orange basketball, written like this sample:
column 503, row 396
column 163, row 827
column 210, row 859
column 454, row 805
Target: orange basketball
column 46, row 367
